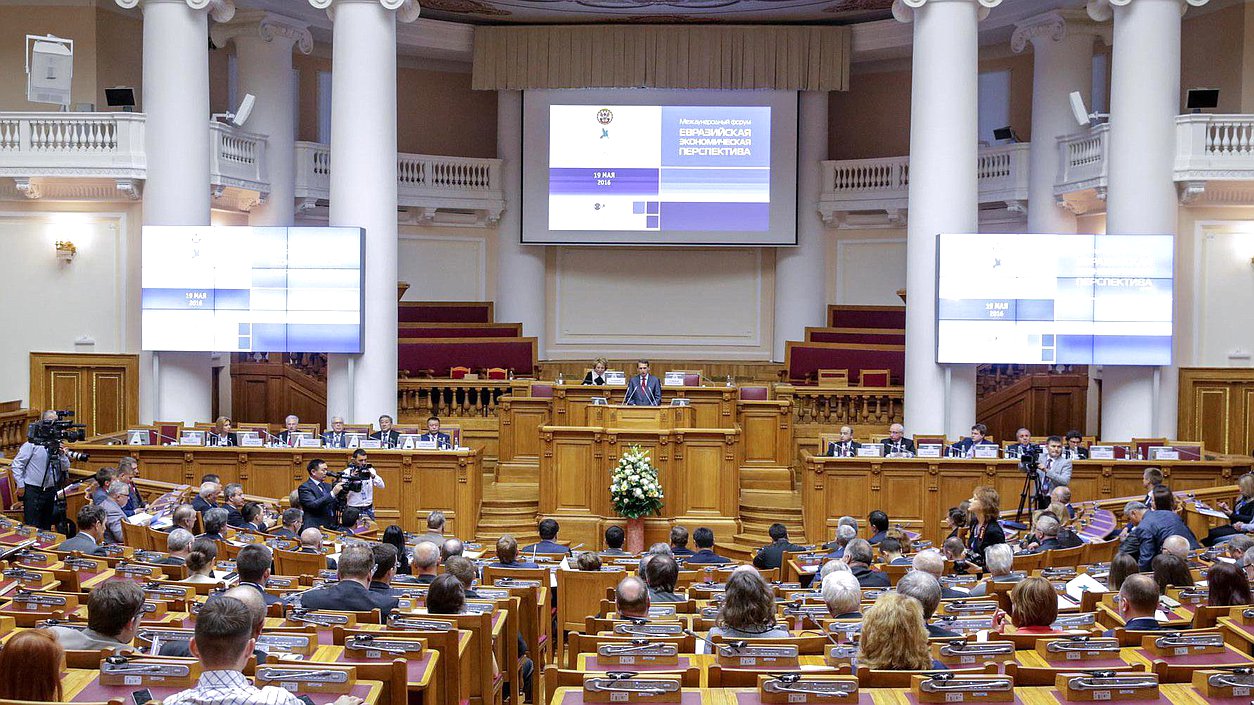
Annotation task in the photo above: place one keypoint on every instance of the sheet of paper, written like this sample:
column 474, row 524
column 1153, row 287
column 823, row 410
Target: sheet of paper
column 1082, row 583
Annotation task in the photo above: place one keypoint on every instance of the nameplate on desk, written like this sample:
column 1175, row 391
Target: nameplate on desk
column 1105, row 685
column 369, row 443
column 636, row 652
column 192, row 438
column 1216, row 685
column 945, row 687
column 307, row 442
column 615, row 688
column 806, row 689
column 985, row 451
column 870, row 451
column 136, row 438
column 1161, row 453
column 734, row 655
column 250, row 441
column 430, row 444
column 929, row 450
column 1101, row 453
column 299, row 679
column 599, row 401
column 615, row 377
column 673, row 379
column 680, row 401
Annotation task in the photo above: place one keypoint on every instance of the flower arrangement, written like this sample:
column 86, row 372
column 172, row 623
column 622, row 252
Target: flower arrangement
column 634, row 487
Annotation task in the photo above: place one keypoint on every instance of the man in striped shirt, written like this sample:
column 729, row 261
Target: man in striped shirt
column 223, row 642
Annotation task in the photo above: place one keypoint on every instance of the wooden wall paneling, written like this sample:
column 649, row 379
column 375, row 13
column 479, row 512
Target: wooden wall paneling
column 101, row 389
column 521, row 419
column 1216, row 406
column 1045, row 403
column 767, row 433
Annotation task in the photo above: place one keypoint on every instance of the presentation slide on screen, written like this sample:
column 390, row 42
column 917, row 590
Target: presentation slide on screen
column 660, row 167
column 651, row 167
column 244, row 289
column 1055, row 299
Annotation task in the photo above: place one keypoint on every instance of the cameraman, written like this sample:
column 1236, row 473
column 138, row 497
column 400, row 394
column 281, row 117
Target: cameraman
column 361, row 478
column 1053, row 470
column 39, row 473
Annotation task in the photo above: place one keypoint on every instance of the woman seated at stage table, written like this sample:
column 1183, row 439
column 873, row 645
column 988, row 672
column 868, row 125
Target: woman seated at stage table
column 894, row 636
column 30, row 667
column 200, row 561
column 1033, row 608
column 596, row 375
column 1228, row 586
column 221, row 433
column 748, row 610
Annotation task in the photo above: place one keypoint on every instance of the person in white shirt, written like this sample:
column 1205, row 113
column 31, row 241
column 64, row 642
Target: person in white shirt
column 364, row 500
column 223, row 641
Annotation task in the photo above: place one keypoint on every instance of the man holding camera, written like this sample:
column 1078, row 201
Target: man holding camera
column 361, row 478
column 318, row 498
column 39, row 470
column 1052, row 470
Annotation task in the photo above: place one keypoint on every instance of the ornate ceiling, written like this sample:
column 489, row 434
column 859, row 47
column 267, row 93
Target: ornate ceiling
column 656, row 11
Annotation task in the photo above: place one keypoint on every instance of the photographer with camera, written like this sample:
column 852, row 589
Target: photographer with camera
column 319, row 499
column 42, row 466
column 1052, row 470
column 360, row 479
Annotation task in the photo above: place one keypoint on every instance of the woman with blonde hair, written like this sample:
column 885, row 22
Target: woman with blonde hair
column 221, row 433
column 985, row 508
column 596, row 375
column 894, row 636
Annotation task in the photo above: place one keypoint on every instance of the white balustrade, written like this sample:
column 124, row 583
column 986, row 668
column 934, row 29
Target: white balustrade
column 237, row 158
column 88, row 145
column 1082, row 160
column 1214, row 147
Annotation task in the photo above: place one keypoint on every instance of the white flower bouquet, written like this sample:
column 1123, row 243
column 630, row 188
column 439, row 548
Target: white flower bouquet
column 634, row 487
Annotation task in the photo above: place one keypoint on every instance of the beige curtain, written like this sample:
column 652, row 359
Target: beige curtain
column 654, row 56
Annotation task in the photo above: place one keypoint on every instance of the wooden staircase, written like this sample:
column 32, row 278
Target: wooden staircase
column 508, row 508
column 767, row 496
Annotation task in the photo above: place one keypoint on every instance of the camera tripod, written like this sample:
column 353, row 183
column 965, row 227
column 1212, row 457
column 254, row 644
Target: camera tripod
column 1030, row 494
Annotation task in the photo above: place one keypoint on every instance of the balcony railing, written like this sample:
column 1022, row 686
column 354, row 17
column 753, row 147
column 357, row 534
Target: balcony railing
column 237, row 158
column 1214, row 147
column 1082, row 160
column 109, row 145
column 882, row 185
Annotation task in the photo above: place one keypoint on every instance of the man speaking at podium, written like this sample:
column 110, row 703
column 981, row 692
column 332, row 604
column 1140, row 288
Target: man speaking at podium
column 643, row 389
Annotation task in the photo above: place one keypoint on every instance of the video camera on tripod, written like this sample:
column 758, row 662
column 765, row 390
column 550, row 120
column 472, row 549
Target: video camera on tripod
column 53, row 433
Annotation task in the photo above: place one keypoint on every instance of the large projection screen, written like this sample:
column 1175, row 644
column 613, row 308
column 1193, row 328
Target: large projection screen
column 659, row 167
column 1054, row 299
column 252, row 289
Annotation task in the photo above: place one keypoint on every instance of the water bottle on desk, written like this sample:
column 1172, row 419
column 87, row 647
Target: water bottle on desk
column 559, row 378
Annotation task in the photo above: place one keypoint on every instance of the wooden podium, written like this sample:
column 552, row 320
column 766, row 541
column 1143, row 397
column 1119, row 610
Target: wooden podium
column 699, row 469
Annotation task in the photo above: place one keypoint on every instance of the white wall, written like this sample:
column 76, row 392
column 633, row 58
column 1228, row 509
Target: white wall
column 1224, row 295
column 48, row 304
column 445, row 264
column 865, row 267
column 623, row 302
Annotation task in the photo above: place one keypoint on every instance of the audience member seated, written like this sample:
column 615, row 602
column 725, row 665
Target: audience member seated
column 548, row 529
column 200, row 560
column 844, row 534
column 858, row 557
column 931, row 561
column 446, row 596
column 1066, row 537
column 178, row 545
column 1129, row 538
column 352, row 592
column 426, row 562
column 253, row 520
column 233, row 495
column 350, row 521
column 1138, row 602
column 748, row 610
column 464, row 570
column 222, row 643
column 631, row 598
column 291, row 521
column 890, row 552
column 1121, row 566
column 772, row 554
column 104, row 477
column 926, row 590
column 1062, row 495
column 679, row 542
column 957, row 519
column 844, row 446
column 1044, row 536
column 207, row 497
column 1177, row 546
column 451, row 547
column 214, row 521
column 842, row 595
column 985, row 531
column 1158, row 524
column 1151, row 478
column 311, row 542
column 1236, row 546
column 614, row 538
column 878, row 520
column 587, row 560
column 384, row 569
column 31, row 664
column 114, row 609
column 394, row 536
column 894, row 636
column 90, row 536
column 1033, row 607
column 507, row 554
column 256, row 609
column 115, row 497
column 703, row 537
column 1170, row 570
column 1240, row 516
column 954, row 550
column 836, row 543
column 184, row 517
column 252, row 563
column 435, row 528
column 660, row 574
column 998, row 560
column 1228, row 586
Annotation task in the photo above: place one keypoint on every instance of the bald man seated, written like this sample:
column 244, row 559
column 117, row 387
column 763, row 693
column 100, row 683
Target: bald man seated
column 256, row 607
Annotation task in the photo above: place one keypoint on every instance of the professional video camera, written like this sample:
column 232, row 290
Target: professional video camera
column 353, row 476
column 1029, row 459
column 53, row 433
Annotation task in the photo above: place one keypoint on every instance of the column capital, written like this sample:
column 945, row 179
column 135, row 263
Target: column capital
column 264, row 25
column 406, row 10
column 1102, row 10
column 903, row 10
column 1055, row 26
column 219, row 10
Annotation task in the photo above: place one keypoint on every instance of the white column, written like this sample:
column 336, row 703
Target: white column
column 263, row 47
column 1141, row 197
column 943, row 197
column 800, row 289
column 175, row 99
column 363, row 190
column 1062, row 42
column 520, row 287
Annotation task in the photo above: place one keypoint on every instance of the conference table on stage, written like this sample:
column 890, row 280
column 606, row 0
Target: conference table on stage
column 416, row 482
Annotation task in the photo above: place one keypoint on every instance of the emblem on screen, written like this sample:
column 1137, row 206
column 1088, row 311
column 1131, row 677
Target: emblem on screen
column 605, row 116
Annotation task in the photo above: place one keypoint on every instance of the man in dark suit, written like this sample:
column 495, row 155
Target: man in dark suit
column 1158, row 524
column 387, row 436
column 547, row 529
column 614, row 538
column 878, row 520
column 352, row 592
column 442, row 440
column 253, row 565
column 507, row 554
column 845, row 446
column 90, row 536
column 1075, row 446
column 233, row 494
column 1138, row 602
column 772, row 554
column 965, row 447
column 704, row 538
column 384, row 569
column 643, row 389
column 426, row 563
column 291, row 431
column 318, row 498
column 927, row 590
column 679, row 542
column 1023, row 444
column 334, row 436
column 930, row 561
column 311, row 542
column 207, row 497
column 177, row 545
column 858, row 556
column 897, row 443
column 290, row 528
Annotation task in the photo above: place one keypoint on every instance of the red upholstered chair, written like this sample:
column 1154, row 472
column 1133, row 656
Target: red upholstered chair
column 753, row 393
column 692, row 379
column 542, row 391
column 873, row 378
column 458, row 372
column 833, row 378
column 497, row 373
